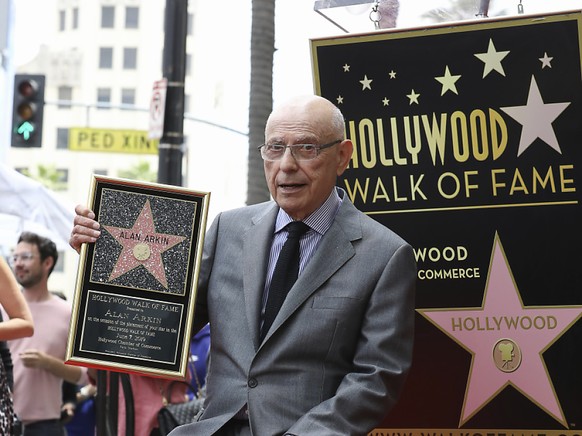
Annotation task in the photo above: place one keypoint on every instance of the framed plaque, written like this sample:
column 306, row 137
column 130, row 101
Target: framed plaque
column 136, row 286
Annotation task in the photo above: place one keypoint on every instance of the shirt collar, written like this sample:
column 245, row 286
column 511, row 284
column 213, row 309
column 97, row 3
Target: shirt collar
column 320, row 220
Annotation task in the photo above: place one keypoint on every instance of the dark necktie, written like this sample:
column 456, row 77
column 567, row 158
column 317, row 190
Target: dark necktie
column 284, row 275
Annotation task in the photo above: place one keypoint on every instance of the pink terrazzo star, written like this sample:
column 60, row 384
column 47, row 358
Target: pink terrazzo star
column 142, row 245
column 507, row 341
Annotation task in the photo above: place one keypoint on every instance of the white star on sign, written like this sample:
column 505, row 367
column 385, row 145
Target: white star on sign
column 366, row 83
column 536, row 117
column 448, row 81
column 392, row 74
column 546, row 61
column 346, row 68
column 386, row 101
column 492, row 59
column 340, row 99
column 413, row 96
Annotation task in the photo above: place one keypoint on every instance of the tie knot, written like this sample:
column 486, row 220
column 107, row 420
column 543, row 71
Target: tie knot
column 296, row 229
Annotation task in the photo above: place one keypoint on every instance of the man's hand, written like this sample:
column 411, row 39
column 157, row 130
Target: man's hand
column 67, row 412
column 37, row 359
column 85, row 230
column 34, row 359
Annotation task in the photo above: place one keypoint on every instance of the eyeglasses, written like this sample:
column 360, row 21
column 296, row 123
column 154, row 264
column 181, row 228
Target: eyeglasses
column 273, row 152
column 24, row 257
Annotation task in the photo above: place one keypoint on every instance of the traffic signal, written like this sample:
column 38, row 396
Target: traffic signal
column 27, row 110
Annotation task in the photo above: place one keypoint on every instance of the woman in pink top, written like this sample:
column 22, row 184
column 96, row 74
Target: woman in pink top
column 18, row 326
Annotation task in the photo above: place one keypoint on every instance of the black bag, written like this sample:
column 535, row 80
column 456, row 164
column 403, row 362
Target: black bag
column 172, row 415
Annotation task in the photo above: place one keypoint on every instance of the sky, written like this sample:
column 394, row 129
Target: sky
column 29, row 14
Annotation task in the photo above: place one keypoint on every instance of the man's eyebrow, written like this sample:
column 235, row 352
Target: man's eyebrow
column 300, row 140
column 274, row 140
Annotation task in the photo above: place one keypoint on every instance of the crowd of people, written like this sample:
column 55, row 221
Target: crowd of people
column 38, row 359
column 39, row 393
column 304, row 308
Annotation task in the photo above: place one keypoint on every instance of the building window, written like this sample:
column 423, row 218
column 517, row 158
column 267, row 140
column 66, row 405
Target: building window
column 128, row 96
column 106, row 57
column 65, row 95
column 103, row 98
column 107, row 17
column 100, row 172
column 62, row 20
column 62, row 138
column 129, row 58
column 75, row 18
column 131, row 17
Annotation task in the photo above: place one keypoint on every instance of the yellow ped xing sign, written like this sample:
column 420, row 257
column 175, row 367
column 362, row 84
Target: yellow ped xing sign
column 112, row 141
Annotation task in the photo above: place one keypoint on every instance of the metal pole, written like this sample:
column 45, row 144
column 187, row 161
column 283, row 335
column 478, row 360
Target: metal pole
column 129, row 404
column 174, row 70
column 483, row 9
column 101, row 404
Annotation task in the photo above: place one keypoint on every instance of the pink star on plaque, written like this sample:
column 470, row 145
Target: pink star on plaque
column 142, row 245
column 507, row 341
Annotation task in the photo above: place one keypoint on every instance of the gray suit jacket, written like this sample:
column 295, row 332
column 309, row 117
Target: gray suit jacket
column 337, row 354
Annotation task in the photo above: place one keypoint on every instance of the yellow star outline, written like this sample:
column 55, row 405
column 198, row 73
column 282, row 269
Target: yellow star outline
column 413, row 97
column 448, row 81
column 366, row 83
column 492, row 59
column 546, row 61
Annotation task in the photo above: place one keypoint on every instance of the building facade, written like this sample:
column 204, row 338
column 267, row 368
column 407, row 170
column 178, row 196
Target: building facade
column 101, row 59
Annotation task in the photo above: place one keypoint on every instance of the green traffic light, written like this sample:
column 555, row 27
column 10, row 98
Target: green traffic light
column 26, row 129
column 27, row 110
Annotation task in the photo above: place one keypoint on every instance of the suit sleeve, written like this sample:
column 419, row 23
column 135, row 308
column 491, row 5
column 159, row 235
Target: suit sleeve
column 201, row 312
column 382, row 359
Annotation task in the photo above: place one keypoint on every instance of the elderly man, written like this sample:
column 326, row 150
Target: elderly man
column 330, row 354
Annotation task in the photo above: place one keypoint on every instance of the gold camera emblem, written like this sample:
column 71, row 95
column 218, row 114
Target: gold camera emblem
column 506, row 355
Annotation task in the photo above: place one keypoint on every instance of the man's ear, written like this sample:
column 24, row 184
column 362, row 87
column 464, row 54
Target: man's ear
column 48, row 263
column 346, row 148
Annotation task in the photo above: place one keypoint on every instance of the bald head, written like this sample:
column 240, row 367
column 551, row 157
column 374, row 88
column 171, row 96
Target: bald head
column 314, row 109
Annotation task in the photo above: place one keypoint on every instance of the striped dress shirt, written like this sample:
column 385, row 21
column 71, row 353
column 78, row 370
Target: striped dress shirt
column 319, row 222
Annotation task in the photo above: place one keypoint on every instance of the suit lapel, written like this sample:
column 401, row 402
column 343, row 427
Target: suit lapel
column 334, row 250
column 257, row 245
